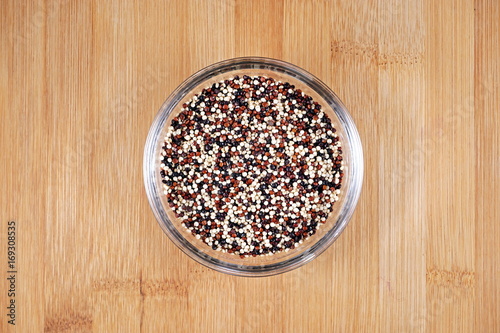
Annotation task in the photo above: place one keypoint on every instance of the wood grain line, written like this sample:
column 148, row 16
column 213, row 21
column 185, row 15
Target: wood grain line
column 459, row 279
column 143, row 288
column 398, row 58
column 371, row 51
column 350, row 47
column 164, row 288
column 72, row 322
column 117, row 286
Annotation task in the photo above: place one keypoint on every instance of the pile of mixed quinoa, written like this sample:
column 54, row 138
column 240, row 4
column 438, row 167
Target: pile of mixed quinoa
column 251, row 166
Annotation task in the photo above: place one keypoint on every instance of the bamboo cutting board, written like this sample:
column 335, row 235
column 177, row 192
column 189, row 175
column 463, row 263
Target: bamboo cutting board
column 80, row 83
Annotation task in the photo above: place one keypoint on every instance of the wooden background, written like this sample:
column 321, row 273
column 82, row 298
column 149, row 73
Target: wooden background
column 80, row 83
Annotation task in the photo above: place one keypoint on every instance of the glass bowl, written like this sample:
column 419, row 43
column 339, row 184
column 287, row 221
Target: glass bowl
column 313, row 246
